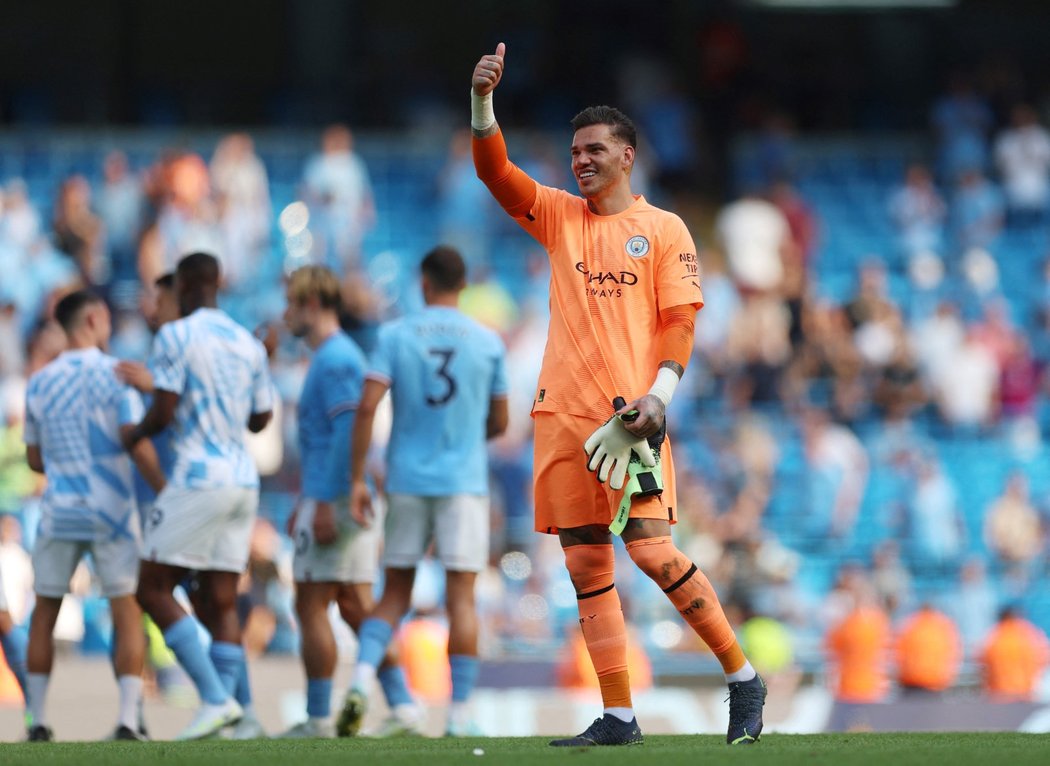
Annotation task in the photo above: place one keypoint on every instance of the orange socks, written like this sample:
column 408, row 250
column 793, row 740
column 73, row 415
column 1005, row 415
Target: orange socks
column 591, row 568
column 691, row 593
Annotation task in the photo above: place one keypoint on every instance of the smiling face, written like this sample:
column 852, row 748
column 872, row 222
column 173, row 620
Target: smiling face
column 600, row 161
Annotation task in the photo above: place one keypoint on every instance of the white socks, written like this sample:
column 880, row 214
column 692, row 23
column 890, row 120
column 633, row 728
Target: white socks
column 130, row 696
column 625, row 714
column 745, row 673
column 36, row 690
column 364, row 677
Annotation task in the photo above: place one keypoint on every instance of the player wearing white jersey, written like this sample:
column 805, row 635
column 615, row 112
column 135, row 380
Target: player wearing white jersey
column 77, row 411
column 210, row 380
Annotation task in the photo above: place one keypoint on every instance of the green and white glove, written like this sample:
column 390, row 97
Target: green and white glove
column 609, row 449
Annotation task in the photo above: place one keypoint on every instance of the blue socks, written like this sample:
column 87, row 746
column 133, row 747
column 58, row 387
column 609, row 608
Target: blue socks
column 14, row 645
column 319, row 697
column 395, row 687
column 465, row 669
column 183, row 640
column 243, row 692
column 229, row 662
column 373, row 638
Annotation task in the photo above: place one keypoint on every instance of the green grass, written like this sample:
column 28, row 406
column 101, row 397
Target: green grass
column 837, row 749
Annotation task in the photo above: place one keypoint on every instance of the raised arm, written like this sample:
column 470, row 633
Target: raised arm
column 509, row 184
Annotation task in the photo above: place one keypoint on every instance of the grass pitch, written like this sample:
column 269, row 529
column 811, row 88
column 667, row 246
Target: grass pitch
column 832, row 749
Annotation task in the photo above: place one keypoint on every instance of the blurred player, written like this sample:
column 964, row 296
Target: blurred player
column 446, row 377
column 77, row 411
column 210, row 380
column 625, row 290
column 335, row 558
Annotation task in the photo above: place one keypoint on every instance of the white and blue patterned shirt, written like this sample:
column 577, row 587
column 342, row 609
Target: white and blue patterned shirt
column 75, row 407
column 219, row 371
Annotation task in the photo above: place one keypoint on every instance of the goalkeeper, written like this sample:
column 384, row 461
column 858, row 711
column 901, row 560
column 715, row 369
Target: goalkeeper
column 624, row 293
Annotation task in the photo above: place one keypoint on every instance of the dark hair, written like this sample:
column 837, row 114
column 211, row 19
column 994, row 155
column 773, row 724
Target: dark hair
column 69, row 309
column 165, row 281
column 445, row 269
column 198, row 270
column 621, row 126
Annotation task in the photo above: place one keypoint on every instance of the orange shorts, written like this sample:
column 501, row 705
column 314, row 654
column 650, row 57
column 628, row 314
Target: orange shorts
column 567, row 494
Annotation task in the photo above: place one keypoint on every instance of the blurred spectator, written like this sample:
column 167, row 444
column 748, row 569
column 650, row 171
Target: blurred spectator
column 1019, row 380
column 801, row 220
column 242, row 193
column 754, row 235
column 935, row 527
column 890, row 578
column 977, row 211
column 898, row 391
column 918, row 211
column 186, row 218
column 120, row 206
column 78, row 232
column 338, row 190
column 1013, row 657
column 12, row 358
column 827, row 368
column 961, row 120
column 464, row 204
column 967, row 388
column 836, row 476
column 1013, row 529
column 858, row 651
column 758, row 348
column 937, row 340
column 974, row 604
column 19, row 219
column 929, row 651
column 1022, row 155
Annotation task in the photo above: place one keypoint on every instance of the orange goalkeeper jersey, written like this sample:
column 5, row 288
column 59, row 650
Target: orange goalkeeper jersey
column 610, row 276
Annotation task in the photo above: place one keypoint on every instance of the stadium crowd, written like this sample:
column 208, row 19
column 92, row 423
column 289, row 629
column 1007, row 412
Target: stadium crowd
column 840, row 408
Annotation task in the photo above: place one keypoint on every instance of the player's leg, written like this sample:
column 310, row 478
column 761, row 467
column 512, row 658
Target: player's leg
column 650, row 546
column 319, row 654
column 571, row 503
column 54, row 562
column 462, row 650
column 374, row 638
column 461, row 537
column 408, row 524
column 590, row 560
column 39, row 661
column 356, row 603
column 128, row 661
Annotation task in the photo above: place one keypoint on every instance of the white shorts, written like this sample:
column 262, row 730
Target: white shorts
column 353, row 557
column 458, row 525
column 116, row 562
column 209, row 530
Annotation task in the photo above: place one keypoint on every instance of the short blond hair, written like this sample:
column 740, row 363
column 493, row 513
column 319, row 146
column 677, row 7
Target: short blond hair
column 315, row 281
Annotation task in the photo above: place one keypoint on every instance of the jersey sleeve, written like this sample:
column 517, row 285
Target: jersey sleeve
column 262, row 386
column 381, row 363
column 167, row 362
column 342, row 386
column 130, row 408
column 542, row 221
column 677, row 269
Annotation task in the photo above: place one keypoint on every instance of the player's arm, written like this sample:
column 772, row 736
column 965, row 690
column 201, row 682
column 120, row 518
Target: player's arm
column 158, row 417
column 326, row 526
column 35, row 458
column 674, row 343
column 499, row 416
column 144, row 455
column 509, row 184
column 360, row 439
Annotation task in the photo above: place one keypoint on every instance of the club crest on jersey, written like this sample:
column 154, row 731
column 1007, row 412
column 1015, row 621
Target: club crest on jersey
column 637, row 246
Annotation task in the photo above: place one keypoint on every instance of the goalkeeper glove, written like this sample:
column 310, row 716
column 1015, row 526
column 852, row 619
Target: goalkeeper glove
column 609, row 449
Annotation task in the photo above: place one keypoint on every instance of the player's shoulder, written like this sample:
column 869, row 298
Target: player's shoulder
column 339, row 351
column 660, row 215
